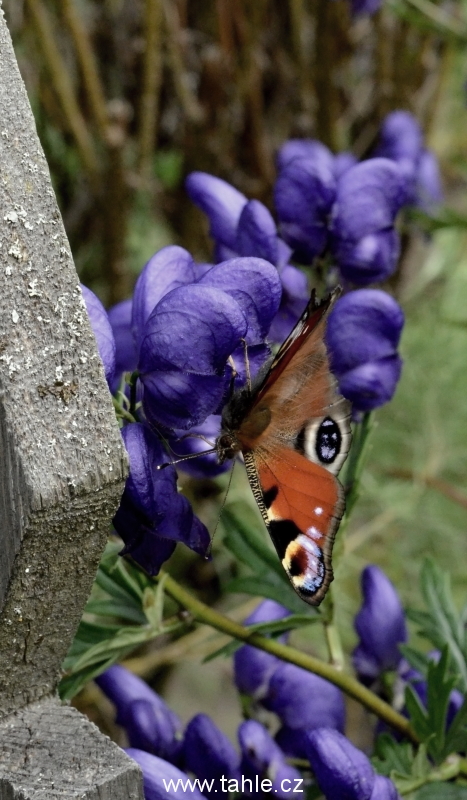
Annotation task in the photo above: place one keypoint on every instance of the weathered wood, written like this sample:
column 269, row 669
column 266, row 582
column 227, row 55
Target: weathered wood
column 62, row 472
column 49, row 751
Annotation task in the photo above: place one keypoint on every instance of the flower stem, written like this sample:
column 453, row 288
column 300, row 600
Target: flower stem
column 349, row 685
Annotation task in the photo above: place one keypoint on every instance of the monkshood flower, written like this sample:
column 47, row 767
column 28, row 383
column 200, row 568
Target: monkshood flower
column 362, row 335
column 253, row 668
column 381, row 627
column 304, row 193
column 303, row 702
column 209, row 754
column 194, row 329
column 363, row 240
column 362, row 8
column 162, row 780
column 401, row 139
column 150, row 724
column 263, row 761
column 342, row 771
column 153, row 516
column 102, row 331
column 242, row 227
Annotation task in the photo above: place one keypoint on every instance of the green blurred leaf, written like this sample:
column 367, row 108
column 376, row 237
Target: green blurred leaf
column 441, row 791
column 441, row 624
column 274, row 628
column 261, row 587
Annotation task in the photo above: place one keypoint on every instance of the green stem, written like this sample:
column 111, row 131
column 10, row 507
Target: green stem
column 349, row 685
column 122, row 412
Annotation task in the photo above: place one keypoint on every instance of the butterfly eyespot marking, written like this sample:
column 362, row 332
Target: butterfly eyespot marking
column 304, row 563
column 328, row 441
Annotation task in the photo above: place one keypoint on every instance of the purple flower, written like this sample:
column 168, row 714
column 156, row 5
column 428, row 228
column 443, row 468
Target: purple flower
column 168, row 269
column 381, row 627
column 263, row 759
column 401, row 139
column 183, row 357
column 151, row 725
column 342, row 771
column 362, row 336
column 304, row 701
column 304, row 193
column 363, row 240
column 126, row 354
column 153, row 515
column 102, row 331
column 361, row 8
column 254, row 668
column 221, row 203
column 199, row 440
column 193, row 330
column 208, row 753
column 162, row 780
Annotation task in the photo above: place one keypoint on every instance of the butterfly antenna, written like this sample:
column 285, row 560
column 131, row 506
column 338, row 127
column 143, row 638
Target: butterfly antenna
column 224, row 500
column 186, row 458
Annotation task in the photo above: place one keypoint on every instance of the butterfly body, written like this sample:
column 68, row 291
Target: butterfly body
column 292, row 428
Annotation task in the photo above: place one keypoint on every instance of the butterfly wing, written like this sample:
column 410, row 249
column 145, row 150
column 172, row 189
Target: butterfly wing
column 295, row 437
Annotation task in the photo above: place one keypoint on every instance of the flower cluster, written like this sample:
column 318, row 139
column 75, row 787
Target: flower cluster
column 186, row 330
column 311, row 711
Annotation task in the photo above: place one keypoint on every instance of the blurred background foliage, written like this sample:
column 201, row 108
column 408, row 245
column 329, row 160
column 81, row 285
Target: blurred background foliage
column 131, row 95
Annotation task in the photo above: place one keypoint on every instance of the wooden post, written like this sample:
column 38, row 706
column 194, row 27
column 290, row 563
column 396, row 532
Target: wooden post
column 62, row 471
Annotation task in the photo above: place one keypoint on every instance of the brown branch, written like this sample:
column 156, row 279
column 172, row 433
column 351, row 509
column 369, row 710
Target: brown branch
column 152, row 75
column 188, row 100
column 64, row 88
column 88, row 65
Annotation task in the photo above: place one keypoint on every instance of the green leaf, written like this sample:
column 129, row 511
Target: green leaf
column 259, row 587
column 113, row 608
column 417, row 714
column 441, row 791
column 456, row 736
column 390, row 756
column 441, row 624
column 248, row 546
column 416, row 659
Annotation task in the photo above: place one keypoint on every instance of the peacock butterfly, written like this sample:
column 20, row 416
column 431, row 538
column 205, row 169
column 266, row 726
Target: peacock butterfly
column 293, row 429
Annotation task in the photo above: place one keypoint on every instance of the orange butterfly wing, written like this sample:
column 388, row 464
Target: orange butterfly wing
column 295, row 435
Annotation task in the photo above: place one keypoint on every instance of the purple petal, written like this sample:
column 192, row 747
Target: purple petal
column 168, row 269
column 363, row 326
column 151, row 506
column 256, row 287
column 208, row 753
column 120, row 321
column 362, row 8
column 194, row 329
column 400, row 137
column 257, row 233
column 372, row 384
column 221, row 203
column 340, row 769
column 429, row 190
column 310, row 149
column 380, row 624
column 303, row 194
column 368, row 197
column 173, row 399
column 362, row 335
column 295, row 296
column 343, row 161
column 303, row 700
column 262, row 757
column 149, row 722
column 102, row 331
column 384, row 789
column 371, row 259
column 206, row 466
column 162, row 780
column 254, row 668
